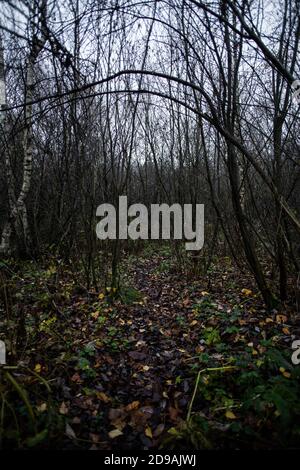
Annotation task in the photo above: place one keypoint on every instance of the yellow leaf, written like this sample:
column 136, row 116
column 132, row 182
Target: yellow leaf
column 284, row 372
column 95, row 315
column 101, row 296
column 103, row 397
column 269, row 320
column 146, row 368
column 205, row 379
column 108, row 289
column 148, row 432
column 115, row 433
column 38, row 368
column 254, row 352
column 204, row 293
column 286, row 331
column 193, row 323
column 246, row 292
column 230, row 415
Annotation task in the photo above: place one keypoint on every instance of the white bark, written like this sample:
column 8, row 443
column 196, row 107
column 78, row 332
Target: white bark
column 6, row 233
column 18, row 213
column 2, row 85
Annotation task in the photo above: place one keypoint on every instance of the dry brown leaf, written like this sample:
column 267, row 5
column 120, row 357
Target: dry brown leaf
column 281, row 318
column 132, row 406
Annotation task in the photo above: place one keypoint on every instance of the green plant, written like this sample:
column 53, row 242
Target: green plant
column 129, row 295
column 188, row 434
column 21, row 423
column 211, row 336
column 84, row 366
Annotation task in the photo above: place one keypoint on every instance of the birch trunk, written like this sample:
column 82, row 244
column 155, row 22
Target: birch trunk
column 6, row 233
column 18, row 218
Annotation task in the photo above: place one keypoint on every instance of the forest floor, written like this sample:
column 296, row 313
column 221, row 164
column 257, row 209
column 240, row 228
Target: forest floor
column 174, row 360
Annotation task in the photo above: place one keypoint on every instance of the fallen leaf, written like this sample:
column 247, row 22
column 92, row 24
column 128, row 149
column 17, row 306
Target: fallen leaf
column 95, row 437
column 281, row 318
column 103, row 397
column 132, row 406
column 70, row 432
column 137, row 356
column 285, row 373
column 148, row 432
column 41, row 408
column 63, row 409
column 37, row 368
column 76, row 378
column 115, row 433
column 246, row 292
column 159, row 430
column 173, row 412
column 230, row 415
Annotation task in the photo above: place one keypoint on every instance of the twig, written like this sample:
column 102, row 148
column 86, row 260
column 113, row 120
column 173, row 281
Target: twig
column 208, row 369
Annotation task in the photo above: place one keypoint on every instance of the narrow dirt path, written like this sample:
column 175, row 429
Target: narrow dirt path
column 150, row 382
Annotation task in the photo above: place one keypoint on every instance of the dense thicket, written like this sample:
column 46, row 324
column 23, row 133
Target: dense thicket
column 164, row 101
